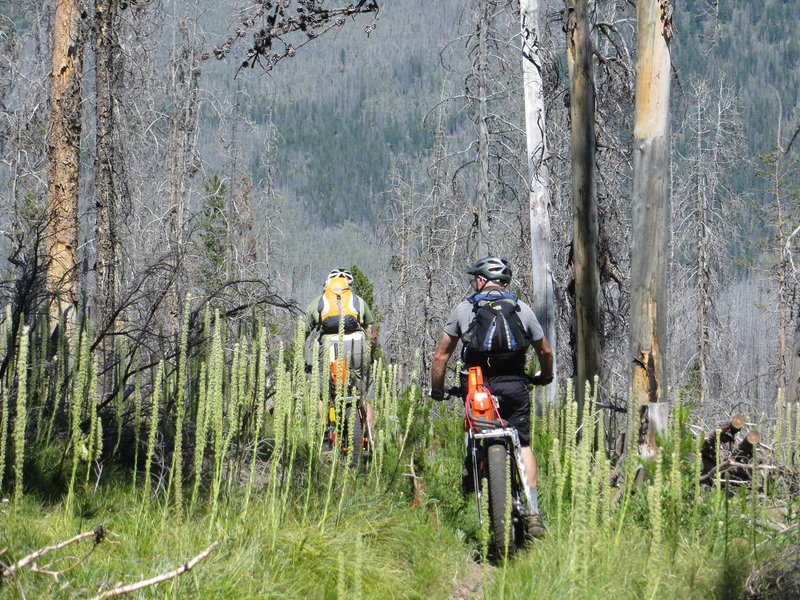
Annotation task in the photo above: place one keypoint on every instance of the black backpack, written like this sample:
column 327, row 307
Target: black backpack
column 496, row 330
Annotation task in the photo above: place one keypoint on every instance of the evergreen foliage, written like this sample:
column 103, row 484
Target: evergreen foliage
column 213, row 232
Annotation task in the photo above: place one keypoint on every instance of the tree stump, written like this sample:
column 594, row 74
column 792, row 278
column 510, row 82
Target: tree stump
column 727, row 435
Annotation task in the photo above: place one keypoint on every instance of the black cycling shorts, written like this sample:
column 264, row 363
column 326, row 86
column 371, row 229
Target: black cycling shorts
column 514, row 399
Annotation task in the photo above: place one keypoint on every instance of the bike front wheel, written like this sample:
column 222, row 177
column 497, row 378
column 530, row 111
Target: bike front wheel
column 499, row 479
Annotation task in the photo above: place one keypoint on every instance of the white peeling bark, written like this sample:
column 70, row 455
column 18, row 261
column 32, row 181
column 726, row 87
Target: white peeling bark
column 539, row 179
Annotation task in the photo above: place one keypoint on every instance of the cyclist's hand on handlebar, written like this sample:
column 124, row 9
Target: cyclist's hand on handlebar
column 440, row 395
column 538, row 379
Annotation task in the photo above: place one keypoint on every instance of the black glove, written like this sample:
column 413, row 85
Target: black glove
column 537, row 379
column 436, row 394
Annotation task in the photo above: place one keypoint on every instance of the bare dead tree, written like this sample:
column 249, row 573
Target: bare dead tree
column 705, row 208
column 781, row 211
column 651, row 214
column 64, row 156
column 584, row 199
column 539, row 177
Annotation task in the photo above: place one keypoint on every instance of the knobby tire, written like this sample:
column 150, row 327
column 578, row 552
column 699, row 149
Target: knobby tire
column 354, row 436
column 499, row 476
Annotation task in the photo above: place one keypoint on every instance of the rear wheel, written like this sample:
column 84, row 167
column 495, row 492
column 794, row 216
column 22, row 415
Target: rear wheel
column 498, row 465
column 354, row 436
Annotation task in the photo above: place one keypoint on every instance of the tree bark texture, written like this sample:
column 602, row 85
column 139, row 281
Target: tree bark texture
column 185, row 74
column 650, row 203
column 703, row 271
column 746, row 448
column 481, row 66
column 584, row 199
column 64, row 159
column 539, row 176
column 107, row 196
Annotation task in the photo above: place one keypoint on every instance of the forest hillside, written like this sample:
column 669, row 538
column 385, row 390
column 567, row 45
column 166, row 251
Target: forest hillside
column 179, row 178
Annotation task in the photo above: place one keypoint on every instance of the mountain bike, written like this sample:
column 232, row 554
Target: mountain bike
column 494, row 454
column 353, row 434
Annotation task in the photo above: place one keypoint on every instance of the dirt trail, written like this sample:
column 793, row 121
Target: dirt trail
column 469, row 587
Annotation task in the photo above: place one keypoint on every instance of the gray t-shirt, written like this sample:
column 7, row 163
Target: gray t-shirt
column 459, row 320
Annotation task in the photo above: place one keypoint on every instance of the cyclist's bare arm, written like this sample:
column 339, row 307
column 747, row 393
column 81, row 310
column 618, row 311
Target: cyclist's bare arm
column 545, row 355
column 372, row 336
column 444, row 349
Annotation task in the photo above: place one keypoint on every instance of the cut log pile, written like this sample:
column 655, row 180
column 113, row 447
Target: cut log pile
column 733, row 452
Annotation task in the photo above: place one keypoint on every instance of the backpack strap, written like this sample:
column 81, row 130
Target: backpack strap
column 493, row 295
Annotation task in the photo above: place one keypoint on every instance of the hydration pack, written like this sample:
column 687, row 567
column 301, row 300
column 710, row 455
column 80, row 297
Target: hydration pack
column 496, row 331
column 339, row 302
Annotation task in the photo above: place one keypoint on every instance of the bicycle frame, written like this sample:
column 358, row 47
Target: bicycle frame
column 483, row 426
column 338, row 383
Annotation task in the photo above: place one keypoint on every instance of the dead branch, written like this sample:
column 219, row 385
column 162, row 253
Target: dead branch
column 132, row 587
column 415, row 481
column 47, row 570
column 726, row 467
column 99, row 534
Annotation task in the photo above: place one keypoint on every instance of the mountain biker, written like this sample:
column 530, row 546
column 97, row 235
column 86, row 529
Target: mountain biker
column 504, row 373
column 359, row 337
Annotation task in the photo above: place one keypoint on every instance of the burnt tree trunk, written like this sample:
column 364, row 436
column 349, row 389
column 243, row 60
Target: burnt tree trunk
column 746, row 449
column 584, row 200
column 64, row 160
column 482, row 125
column 106, row 168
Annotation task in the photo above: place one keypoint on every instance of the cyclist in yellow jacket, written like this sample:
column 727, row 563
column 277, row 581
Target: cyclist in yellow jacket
column 323, row 315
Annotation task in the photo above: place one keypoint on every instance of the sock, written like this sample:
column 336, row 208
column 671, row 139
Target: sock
column 534, row 494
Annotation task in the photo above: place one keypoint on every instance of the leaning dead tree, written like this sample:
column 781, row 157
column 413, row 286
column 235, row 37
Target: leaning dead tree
column 651, row 161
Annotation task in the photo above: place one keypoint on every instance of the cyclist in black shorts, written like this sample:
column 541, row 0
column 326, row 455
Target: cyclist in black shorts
column 503, row 370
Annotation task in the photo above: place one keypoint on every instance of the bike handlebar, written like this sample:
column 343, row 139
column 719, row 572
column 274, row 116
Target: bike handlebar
column 537, row 379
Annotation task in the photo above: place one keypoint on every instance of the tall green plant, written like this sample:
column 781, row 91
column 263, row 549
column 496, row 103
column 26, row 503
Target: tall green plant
column 21, row 421
column 182, row 381
column 155, row 402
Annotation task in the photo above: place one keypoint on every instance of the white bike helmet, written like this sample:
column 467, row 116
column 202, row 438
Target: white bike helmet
column 348, row 276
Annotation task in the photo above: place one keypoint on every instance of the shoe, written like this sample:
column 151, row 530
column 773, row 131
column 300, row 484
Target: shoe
column 534, row 526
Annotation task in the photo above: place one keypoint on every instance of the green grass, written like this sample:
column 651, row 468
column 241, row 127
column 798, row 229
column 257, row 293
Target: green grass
column 595, row 567
column 291, row 522
column 376, row 545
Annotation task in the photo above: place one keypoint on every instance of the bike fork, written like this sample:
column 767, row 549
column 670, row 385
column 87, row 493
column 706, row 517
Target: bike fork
column 522, row 472
column 472, row 448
